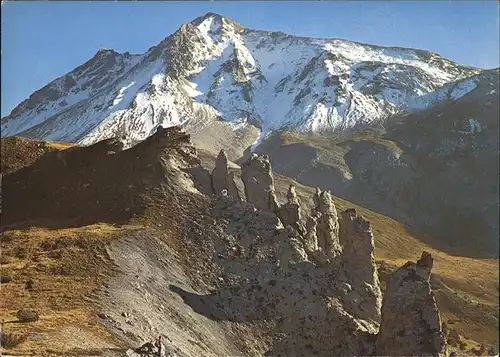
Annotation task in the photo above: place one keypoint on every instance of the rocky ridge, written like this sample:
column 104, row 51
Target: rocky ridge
column 249, row 283
column 273, row 262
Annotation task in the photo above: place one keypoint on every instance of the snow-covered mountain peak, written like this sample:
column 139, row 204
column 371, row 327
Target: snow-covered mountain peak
column 209, row 22
column 215, row 23
column 213, row 68
column 104, row 52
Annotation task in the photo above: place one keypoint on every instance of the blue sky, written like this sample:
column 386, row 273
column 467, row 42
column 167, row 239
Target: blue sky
column 44, row 40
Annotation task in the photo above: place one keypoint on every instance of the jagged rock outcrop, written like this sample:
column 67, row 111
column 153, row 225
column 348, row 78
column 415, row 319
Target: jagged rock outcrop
column 259, row 183
column 324, row 221
column 310, row 239
column 222, row 179
column 411, row 325
column 358, row 260
column 316, row 197
column 290, row 213
column 267, row 276
column 270, row 264
column 232, row 190
column 220, row 173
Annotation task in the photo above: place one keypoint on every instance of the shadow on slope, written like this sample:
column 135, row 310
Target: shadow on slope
column 84, row 185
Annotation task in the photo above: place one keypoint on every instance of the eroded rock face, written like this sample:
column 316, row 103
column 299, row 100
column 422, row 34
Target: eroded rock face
column 310, row 239
column 327, row 226
column 315, row 283
column 220, row 173
column 259, row 183
column 232, row 190
column 411, row 325
column 290, row 213
column 267, row 276
column 202, row 180
column 359, row 265
column 222, row 179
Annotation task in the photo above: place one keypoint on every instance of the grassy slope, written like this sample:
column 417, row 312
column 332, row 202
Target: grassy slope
column 65, row 266
column 17, row 152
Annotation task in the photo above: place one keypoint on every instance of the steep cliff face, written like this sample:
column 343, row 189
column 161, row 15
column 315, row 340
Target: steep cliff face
column 213, row 68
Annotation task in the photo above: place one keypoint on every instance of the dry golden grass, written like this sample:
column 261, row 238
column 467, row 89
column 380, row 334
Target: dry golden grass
column 64, row 266
column 59, row 145
column 328, row 143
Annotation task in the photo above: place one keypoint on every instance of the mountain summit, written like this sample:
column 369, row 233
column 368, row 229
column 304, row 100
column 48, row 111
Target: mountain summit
column 213, row 69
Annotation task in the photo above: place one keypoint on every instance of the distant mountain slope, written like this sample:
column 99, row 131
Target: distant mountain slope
column 213, row 68
column 436, row 169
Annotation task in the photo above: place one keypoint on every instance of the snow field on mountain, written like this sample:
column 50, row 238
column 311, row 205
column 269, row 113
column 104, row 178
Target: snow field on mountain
column 272, row 80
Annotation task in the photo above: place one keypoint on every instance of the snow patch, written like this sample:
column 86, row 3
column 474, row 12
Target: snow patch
column 475, row 126
column 122, row 93
column 257, row 142
column 462, row 88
